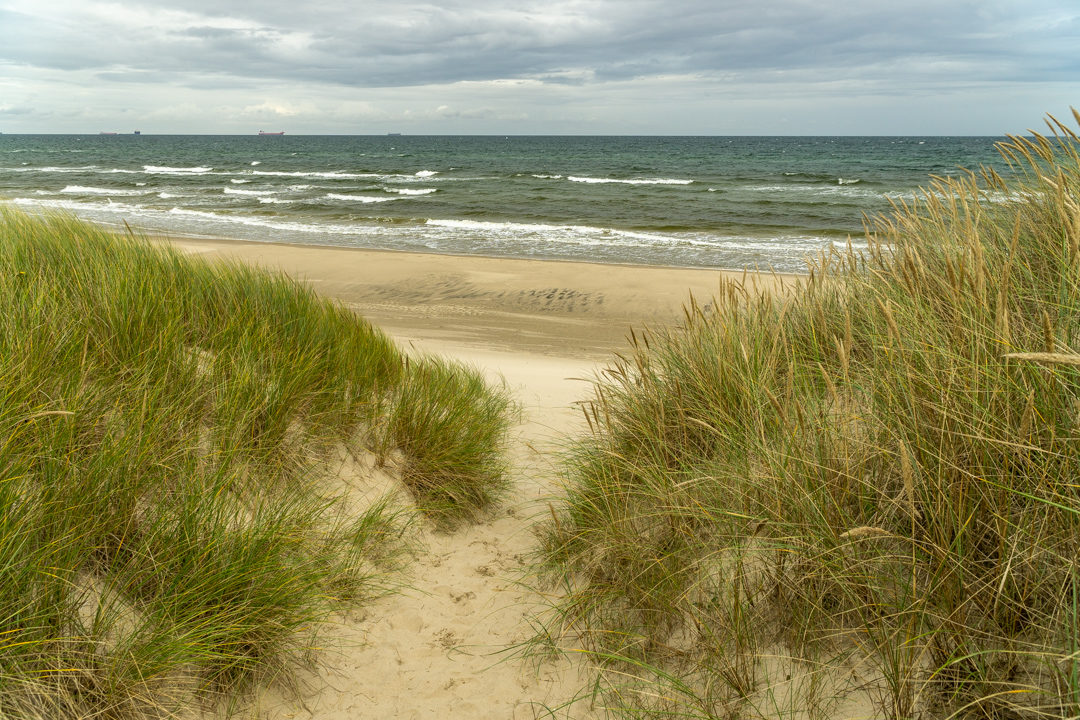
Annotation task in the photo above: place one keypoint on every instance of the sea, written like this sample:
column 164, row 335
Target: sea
column 715, row 202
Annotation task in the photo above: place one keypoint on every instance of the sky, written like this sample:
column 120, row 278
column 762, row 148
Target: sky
column 641, row 67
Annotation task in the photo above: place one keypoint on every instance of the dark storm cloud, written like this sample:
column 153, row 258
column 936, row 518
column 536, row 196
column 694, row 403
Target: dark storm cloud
column 413, row 43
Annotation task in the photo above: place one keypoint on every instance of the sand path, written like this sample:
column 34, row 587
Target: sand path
column 440, row 649
column 443, row 648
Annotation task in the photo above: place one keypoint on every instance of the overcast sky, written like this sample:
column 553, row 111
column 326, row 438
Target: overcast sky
column 696, row 67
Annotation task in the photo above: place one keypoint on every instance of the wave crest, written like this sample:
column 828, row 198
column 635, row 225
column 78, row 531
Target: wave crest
column 631, row 181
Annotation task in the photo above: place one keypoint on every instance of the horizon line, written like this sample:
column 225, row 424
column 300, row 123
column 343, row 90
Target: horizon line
column 1026, row 133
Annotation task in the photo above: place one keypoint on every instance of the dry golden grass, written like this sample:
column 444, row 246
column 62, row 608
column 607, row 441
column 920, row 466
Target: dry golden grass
column 870, row 478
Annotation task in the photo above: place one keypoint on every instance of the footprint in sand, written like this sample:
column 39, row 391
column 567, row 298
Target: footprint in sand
column 463, row 597
column 447, row 639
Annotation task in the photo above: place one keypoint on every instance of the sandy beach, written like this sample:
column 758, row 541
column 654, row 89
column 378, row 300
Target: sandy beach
column 564, row 309
column 444, row 647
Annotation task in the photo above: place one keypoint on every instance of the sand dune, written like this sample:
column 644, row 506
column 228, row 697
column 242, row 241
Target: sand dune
column 444, row 648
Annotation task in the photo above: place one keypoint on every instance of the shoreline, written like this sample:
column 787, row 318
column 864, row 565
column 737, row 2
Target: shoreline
column 547, row 307
column 180, row 238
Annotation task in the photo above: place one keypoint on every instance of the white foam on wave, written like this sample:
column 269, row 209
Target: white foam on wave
column 547, row 177
column 358, row 198
column 165, row 170
column 275, row 201
column 792, row 246
column 83, row 190
column 324, row 175
column 235, row 191
column 1001, row 198
column 239, row 181
column 569, row 234
column 411, row 191
column 256, row 162
column 784, row 248
column 170, row 218
column 167, row 195
column 632, row 181
column 527, row 238
column 108, row 206
column 845, row 181
column 51, row 169
column 288, row 226
column 486, row 225
column 796, row 192
column 426, row 173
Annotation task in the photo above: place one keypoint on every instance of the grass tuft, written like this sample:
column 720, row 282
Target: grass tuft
column 169, row 524
column 857, row 495
column 450, row 427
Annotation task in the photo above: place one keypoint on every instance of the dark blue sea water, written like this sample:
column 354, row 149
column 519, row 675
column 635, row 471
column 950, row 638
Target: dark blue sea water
column 711, row 202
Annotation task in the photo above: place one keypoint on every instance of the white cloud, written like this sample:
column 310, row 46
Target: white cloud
column 279, row 109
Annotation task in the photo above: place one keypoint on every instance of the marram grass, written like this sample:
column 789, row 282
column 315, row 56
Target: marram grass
column 859, row 495
column 165, row 530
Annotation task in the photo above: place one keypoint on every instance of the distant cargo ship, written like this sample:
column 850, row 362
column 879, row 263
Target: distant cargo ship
column 263, row 132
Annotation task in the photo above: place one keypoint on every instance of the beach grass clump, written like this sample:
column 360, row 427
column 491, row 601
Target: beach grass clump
column 172, row 527
column 450, row 427
column 857, row 495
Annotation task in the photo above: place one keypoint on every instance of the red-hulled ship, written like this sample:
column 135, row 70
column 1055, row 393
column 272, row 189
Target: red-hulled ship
column 263, row 132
